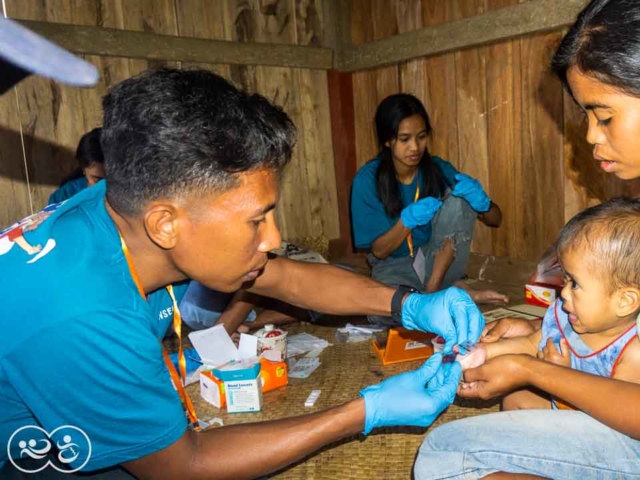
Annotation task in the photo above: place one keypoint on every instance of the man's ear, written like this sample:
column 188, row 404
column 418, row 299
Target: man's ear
column 629, row 302
column 162, row 224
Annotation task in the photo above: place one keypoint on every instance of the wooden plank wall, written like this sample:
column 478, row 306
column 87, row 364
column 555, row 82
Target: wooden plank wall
column 54, row 117
column 498, row 115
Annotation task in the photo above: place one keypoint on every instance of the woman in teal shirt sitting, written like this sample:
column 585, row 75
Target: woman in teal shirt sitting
column 415, row 212
column 89, row 172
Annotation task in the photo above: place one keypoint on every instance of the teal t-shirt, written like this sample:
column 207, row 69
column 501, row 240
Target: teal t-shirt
column 68, row 190
column 368, row 216
column 79, row 346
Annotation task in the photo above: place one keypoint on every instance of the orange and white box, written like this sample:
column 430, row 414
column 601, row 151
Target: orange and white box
column 212, row 389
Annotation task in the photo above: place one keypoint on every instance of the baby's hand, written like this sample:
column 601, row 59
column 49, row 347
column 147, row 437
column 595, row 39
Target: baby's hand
column 549, row 353
column 473, row 359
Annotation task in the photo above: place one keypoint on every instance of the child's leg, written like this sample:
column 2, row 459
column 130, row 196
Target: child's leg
column 526, row 400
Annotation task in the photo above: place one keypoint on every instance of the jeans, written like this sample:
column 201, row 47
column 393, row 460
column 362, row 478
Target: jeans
column 201, row 307
column 455, row 221
column 549, row 443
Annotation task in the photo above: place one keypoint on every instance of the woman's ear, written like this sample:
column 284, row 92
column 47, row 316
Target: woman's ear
column 629, row 302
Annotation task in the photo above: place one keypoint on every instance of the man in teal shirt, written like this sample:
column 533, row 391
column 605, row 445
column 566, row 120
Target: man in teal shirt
column 192, row 166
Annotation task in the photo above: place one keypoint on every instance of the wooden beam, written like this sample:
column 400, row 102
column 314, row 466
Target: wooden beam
column 151, row 46
column 344, row 149
column 337, row 33
column 527, row 18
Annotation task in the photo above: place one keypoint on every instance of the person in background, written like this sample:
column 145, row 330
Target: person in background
column 239, row 312
column 598, row 61
column 90, row 169
column 413, row 211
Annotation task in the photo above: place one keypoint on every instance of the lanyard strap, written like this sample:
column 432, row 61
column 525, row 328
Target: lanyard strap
column 409, row 239
column 178, row 380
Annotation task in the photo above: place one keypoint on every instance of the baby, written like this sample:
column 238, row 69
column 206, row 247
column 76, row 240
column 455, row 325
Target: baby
column 592, row 327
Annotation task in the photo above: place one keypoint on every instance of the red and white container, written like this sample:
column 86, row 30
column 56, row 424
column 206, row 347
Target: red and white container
column 272, row 343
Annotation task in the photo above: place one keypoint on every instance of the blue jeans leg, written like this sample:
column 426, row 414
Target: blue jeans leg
column 549, row 443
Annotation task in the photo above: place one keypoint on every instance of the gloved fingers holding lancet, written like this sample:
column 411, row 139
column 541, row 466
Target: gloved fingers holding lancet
column 449, row 313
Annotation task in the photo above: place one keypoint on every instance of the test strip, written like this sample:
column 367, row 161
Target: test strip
column 311, row 399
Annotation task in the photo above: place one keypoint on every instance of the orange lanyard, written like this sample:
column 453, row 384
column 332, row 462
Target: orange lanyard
column 178, row 380
column 409, row 239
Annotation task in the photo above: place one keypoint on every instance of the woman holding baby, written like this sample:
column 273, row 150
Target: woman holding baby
column 599, row 436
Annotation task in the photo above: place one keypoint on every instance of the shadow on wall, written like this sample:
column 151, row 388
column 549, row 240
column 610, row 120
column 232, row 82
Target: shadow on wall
column 48, row 164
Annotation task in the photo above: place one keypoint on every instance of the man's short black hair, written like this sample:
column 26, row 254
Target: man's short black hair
column 169, row 132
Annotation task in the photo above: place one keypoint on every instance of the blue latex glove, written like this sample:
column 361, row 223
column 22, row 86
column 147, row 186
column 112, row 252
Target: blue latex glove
column 471, row 190
column 449, row 313
column 407, row 400
column 420, row 212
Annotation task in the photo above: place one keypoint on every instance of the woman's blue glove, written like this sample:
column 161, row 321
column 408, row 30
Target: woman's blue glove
column 407, row 400
column 471, row 190
column 449, row 313
column 420, row 212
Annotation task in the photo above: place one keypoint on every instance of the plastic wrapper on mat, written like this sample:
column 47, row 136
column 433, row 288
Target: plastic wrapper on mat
column 547, row 281
column 549, row 271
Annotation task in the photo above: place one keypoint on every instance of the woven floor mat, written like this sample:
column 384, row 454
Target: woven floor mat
column 346, row 368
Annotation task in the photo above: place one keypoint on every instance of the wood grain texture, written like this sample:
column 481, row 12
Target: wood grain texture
column 56, row 116
column 340, row 86
column 372, row 86
column 441, row 99
column 540, row 190
column 471, row 74
column 146, row 46
column 504, row 112
column 530, row 17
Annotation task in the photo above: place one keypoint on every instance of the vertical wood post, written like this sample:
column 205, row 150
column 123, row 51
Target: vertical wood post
column 344, row 153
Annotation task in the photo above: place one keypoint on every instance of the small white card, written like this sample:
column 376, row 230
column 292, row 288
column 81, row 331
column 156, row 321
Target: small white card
column 420, row 265
column 248, row 345
column 214, row 345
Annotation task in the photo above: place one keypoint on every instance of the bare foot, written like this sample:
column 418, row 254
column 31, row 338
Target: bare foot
column 484, row 296
column 488, row 296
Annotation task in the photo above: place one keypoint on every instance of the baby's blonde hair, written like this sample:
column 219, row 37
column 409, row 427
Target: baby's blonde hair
column 610, row 233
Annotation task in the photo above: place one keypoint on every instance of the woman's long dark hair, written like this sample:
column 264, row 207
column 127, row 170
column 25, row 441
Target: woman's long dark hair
column 390, row 113
column 89, row 151
column 604, row 43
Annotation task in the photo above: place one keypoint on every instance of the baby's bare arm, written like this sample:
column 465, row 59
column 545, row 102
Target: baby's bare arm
column 629, row 367
column 525, row 345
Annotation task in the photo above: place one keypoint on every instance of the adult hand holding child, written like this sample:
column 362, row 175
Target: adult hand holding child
column 508, row 328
